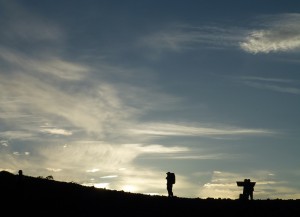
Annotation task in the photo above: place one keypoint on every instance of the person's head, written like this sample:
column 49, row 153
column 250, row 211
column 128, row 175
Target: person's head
column 20, row 172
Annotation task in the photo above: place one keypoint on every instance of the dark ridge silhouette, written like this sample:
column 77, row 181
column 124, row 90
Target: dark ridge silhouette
column 47, row 197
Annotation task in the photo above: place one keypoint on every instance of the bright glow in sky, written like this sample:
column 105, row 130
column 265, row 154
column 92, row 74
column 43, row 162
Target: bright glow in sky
column 115, row 94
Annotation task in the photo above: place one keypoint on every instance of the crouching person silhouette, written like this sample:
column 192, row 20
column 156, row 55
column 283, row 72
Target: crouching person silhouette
column 170, row 181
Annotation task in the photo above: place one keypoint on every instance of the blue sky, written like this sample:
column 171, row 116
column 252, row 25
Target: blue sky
column 114, row 94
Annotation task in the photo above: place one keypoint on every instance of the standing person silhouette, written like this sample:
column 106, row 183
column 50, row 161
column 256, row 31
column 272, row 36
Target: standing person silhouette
column 170, row 181
column 246, row 189
column 250, row 189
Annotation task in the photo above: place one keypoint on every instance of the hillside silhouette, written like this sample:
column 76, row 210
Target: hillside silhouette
column 46, row 197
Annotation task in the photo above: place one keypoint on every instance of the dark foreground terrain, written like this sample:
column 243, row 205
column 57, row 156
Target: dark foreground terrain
column 43, row 197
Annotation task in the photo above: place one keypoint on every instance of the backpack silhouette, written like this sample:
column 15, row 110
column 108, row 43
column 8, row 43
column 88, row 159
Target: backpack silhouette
column 172, row 178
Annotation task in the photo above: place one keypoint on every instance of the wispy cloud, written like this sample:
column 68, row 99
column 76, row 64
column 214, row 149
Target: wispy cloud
column 291, row 90
column 159, row 149
column 4, row 142
column 17, row 134
column 273, row 84
column 109, row 177
column 57, row 131
column 181, row 37
column 31, row 28
column 53, row 169
column 46, row 66
column 274, row 33
column 94, row 156
column 167, row 129
column 193, row 155
column 278, row 33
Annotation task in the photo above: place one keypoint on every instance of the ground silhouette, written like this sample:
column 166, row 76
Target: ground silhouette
column 47, row 197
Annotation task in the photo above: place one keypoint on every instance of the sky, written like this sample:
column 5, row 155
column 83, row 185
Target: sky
column 114, row 94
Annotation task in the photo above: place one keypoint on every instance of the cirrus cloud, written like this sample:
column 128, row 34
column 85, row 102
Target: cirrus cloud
column 278, row 34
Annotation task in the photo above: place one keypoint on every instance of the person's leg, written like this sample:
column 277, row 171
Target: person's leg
column 169, row 190
column 247, row 196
